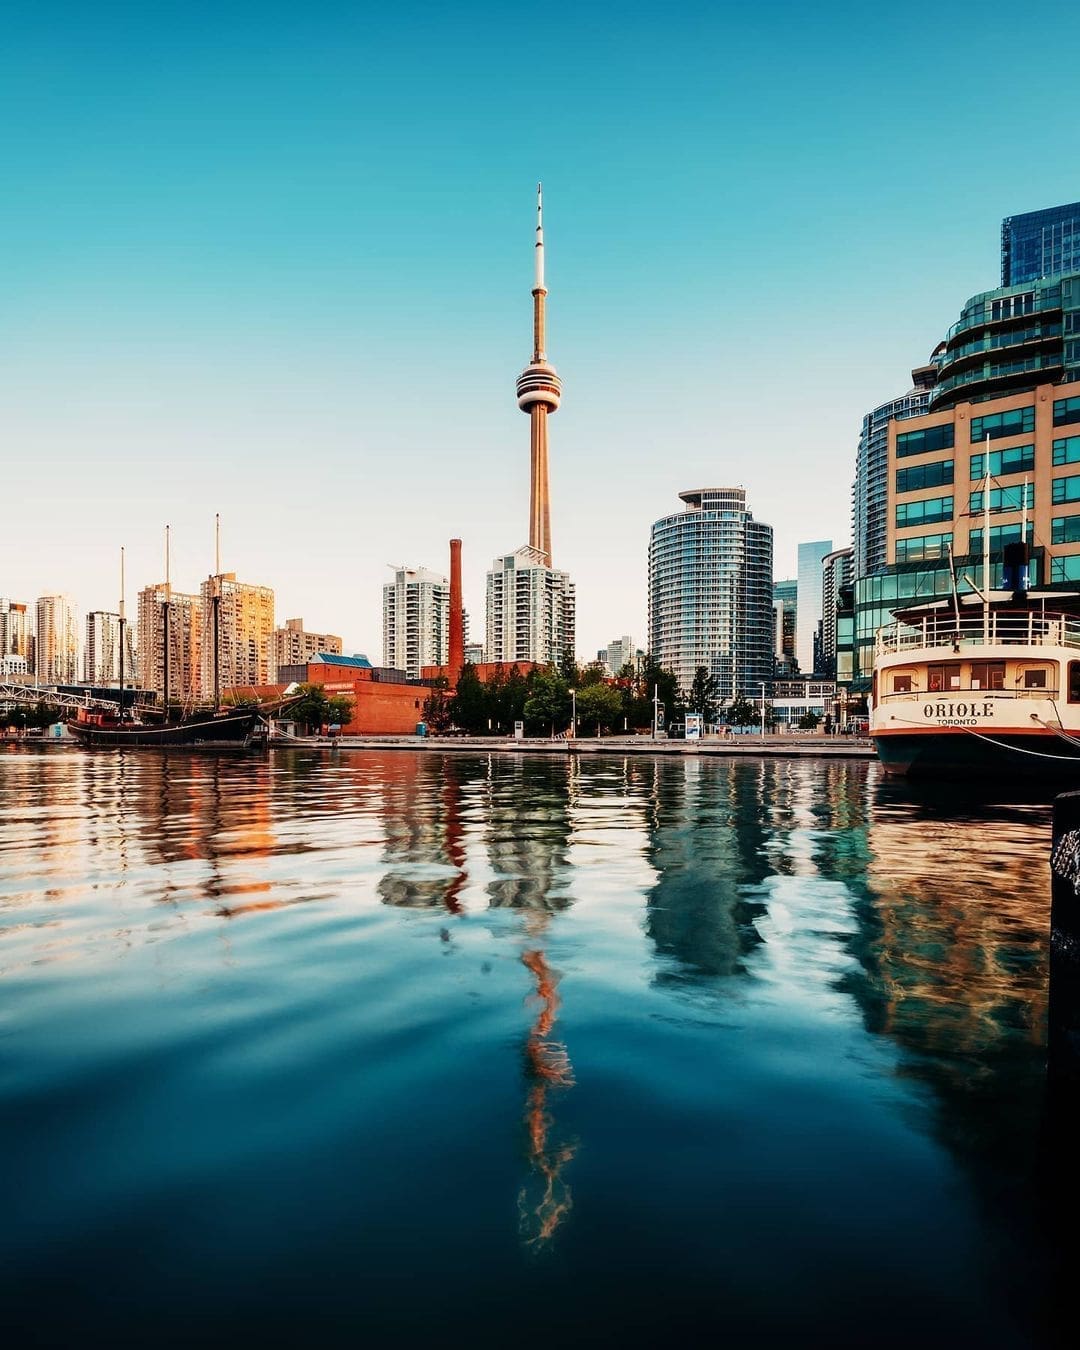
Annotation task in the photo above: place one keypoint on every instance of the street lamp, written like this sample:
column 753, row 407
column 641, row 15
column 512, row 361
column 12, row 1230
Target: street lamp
column 762, row 709
column 573, row 713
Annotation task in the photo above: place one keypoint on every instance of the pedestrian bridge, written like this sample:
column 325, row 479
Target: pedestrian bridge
column 29, row 696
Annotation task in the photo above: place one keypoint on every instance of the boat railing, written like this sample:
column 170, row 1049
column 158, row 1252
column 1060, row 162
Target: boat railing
column 968, row 692
column 1029, row 628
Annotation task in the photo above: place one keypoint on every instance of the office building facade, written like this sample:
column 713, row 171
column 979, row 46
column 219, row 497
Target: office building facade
column 530, row 610
column 1040, row 243
column 711, row 592
column 1029, row 443
column 416, row 620
column 785, row 609
column 808, row 605
column 837, row 577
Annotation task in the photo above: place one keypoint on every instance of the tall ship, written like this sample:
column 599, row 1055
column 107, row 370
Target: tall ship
column 981, row 683
column 172, row 724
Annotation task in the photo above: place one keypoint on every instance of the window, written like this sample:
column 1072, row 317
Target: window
column 1013, row 498
column 922, row 442
column 1065, row 530
column 1066, row 410
column 928, row 512
column 1065, row 490
column 1000, row 535
column 1017, row 459
column 996, row 425
column 901, row 684
column 940, row 678
column 922, row 546
column 988, row 674
column 1066, row 451
column 1074, row 681
column 1065, row 569
column 1035, row 679
column 924, row 476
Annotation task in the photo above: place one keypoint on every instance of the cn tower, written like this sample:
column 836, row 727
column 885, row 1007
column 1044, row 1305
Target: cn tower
column 538, row 392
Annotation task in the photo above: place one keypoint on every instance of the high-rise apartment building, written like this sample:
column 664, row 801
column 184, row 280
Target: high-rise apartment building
column 870, row 491
column 185, row 626
column 620, row 652
column 56, row 640
column 293, row 646
column 237, row 633
column 808, row 605
column 1040, row 243
column 16, row 638
column 837, row 577
column 530, row 610
column 785, row 610
column 710, row 592
column 416, row 620
column 101, row 649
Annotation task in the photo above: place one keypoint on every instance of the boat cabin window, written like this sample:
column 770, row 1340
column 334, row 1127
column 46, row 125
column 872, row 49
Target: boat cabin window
column 1035, row 679
column 1074, row 681
column 988, row 674
column 901, row 684
column 942, row 677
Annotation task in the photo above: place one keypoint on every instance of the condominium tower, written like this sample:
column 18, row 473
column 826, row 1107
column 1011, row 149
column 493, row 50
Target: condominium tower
column 16, row 639
column 294, row 646
column 185, row 629
column 241, row 650
column 710, row 592
column 530, row 610
column 416, row 620
column 56, row 640
column 101, row 649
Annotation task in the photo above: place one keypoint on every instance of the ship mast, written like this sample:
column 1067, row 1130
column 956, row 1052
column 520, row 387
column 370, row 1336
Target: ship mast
column 122, row 623
column 215, row 610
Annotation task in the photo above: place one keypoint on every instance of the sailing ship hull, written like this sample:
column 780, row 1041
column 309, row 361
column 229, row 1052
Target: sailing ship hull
column 1001, row 757
column 230, row 732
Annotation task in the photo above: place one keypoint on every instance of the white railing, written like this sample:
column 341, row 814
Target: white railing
column 1029, row 628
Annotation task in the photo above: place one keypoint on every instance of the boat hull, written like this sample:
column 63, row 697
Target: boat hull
column 229, row 732
column 959, row 754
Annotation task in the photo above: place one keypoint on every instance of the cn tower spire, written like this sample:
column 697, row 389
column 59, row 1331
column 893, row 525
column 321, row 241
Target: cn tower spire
column 539, row 390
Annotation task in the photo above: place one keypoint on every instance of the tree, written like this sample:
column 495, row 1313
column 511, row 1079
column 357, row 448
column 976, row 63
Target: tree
column 468, row 707
column 703, row 695
column 437, row 705
column 592, row 674
column 742, row 713
column 339, row 710
column 548, row 705
column 311, row 708
column 599, row 705
column 655, row 677
column 809, row 720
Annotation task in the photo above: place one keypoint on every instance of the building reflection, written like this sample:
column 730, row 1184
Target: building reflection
column 707, row 846
column 423, row 817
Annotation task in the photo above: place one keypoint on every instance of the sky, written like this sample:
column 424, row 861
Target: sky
column 274, row 261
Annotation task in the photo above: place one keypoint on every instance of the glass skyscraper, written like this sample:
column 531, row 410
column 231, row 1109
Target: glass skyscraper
column 1040, row 243
column 808, row 604
column 711, row 592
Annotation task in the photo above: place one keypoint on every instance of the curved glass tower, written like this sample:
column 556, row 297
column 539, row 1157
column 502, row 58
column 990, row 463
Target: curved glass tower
column 710, row 592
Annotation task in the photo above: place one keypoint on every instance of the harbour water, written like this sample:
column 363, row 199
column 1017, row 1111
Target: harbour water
column 379, row 1048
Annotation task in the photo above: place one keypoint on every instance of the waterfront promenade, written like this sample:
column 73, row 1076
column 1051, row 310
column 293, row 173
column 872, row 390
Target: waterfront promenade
column 786, row 747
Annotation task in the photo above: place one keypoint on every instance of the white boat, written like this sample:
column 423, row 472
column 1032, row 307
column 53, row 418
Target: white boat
column 973, row 684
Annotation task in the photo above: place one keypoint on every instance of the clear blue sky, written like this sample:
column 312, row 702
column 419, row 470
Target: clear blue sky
column 274, row 260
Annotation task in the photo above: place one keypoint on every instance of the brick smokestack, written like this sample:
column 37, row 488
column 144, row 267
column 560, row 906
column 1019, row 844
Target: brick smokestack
column 457, row 614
